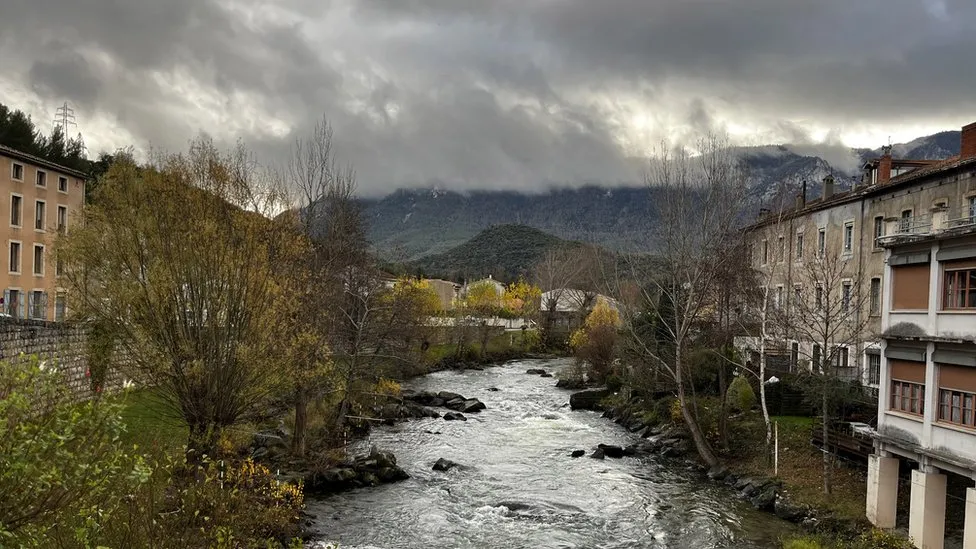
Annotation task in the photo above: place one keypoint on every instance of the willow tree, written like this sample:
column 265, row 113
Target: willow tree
column 181, row 257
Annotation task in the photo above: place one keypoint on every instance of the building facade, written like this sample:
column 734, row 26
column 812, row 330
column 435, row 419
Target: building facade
column 832, row 249
column 927, row 404
column 38, row 200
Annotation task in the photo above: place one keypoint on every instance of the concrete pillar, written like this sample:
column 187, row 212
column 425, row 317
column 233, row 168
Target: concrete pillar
column 926, row 522
column 969, row 534
column 882, row 501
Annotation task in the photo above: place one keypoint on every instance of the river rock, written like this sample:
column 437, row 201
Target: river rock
column 719, row 472
column 444, row 465
column 612, row 451
column 567, row 383
column 787, row 510
column 493, row 389
column 535, row 371
column 454, row 416
column 472, row 405
column 598, row 454
column 765, row 499
column 545, row 374
column 578, row 453
column 588, row 400
column 448, row 396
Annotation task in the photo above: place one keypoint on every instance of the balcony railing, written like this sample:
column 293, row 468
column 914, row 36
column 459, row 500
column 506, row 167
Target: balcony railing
column 927, row 225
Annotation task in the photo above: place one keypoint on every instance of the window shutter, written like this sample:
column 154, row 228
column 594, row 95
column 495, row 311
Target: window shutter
column 44, row 306
column 6, row 303
column 23, row 305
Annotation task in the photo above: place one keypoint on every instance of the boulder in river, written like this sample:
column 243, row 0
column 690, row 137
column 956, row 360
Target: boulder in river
column 545, row 374
column 448, row 396
column 454, row 416
column 370, row 470
column 493, row 389
column 444, row 465
column 598, row 454
column 611, row 451
column 578, row 453
column 472, row 405
column 589, row 399
column 535, row 371
column 787, row 510
column 455, row 403
column 570, row 383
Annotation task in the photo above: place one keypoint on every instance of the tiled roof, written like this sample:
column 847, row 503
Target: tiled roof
column 945, row 165
column 36, row 160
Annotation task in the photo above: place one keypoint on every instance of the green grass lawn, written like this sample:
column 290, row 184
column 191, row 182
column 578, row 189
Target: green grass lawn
column 150, row 423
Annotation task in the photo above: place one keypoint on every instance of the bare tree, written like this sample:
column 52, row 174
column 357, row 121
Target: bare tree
column 828, row 313
column 698, row 200
column 557, row 275
column 328, row 218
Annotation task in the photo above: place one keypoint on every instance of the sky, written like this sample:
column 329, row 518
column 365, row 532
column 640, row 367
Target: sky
column 492, row 94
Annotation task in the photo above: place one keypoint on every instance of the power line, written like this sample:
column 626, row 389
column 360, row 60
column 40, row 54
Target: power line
column 64, row 118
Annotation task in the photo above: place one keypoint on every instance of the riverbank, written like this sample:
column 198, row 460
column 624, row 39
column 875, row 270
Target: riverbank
column 793, row 492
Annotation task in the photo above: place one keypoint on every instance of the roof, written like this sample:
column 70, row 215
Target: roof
column 904, row 179
column 36, row 160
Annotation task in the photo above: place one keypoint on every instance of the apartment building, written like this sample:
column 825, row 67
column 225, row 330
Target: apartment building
column 38, row 199
column 928, row 365
column 848, row 230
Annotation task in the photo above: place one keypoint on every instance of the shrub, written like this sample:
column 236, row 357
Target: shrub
column 804, row 542
column 740, row 395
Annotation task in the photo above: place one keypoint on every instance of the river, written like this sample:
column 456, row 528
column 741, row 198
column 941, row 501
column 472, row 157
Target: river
column 520, row 488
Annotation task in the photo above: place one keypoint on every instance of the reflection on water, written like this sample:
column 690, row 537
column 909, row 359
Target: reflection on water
column 520, row 488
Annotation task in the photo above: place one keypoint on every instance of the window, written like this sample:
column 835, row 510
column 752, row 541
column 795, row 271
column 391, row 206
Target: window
column 14, row 257
column 62, row 184
column 60, row 306
column 818, row 297
column 16, row 210
column 815, row 364
column 799, row 246
column 956, row 407
column 17, row 172
column 846, row 296
column 878, row 231
column 960, row 289
column 874, row 369
column 782, row 249
column 794, row 355
column 797, row 295
column 59, row 267
column 38, row 259
column 841, row 357
column 905, row 223
column 39, row 215
column 41, row 179
column 875, row 296
column 778, row 301
column 62, row 218
column 972, row 209
column 765, row 252
column 37, row 305
column 821, row 241
column 908, row 397
column 12, row 302
column 848, row 237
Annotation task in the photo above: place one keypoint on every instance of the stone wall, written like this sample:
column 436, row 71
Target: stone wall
column 64, row 344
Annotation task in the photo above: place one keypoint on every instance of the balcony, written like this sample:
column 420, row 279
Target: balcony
column 921, row 227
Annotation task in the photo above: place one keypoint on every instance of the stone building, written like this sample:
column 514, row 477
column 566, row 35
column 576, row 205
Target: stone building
column 847, row 229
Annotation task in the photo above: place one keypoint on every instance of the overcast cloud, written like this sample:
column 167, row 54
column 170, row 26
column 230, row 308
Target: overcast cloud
column 493, row 93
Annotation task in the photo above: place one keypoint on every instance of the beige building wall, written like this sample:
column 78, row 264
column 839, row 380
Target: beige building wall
column 37, row 199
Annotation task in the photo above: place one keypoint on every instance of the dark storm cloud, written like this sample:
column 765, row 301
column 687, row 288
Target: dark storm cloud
column 495, row 93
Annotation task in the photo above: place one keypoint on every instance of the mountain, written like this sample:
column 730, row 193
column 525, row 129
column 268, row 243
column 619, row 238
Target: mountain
column 503, row 251
column 410, row 224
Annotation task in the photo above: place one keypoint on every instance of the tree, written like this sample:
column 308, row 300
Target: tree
column 699, row 198
column 828, row 312
column 522, row 299
column 327, row 218
column 484, row 301
column 595, row 342
column 556, row 274
column 180, row 258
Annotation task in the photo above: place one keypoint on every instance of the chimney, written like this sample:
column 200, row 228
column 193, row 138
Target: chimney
column 967, row 146
column 884, row 165
column 828, row 187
